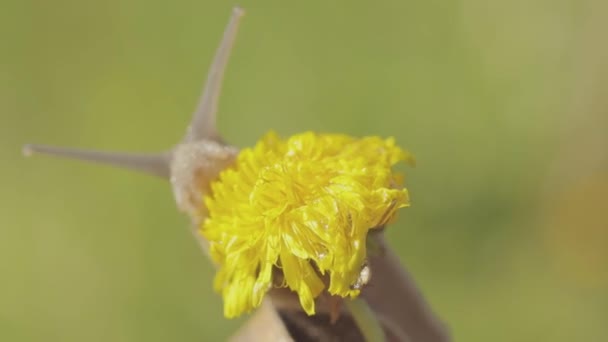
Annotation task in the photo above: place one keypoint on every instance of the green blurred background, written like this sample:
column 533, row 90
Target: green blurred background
column 504, row 104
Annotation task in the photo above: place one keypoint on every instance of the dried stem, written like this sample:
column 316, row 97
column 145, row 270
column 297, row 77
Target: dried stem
column 394, row 295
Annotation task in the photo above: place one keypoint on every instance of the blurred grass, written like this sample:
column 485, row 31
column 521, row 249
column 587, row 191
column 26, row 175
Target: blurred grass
column 501, row 102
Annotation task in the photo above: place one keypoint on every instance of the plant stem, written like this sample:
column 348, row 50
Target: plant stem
column 366, row 320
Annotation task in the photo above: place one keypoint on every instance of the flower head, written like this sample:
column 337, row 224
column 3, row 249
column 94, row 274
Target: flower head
column 302, row 206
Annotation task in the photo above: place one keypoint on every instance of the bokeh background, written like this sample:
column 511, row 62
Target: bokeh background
column 504, row 104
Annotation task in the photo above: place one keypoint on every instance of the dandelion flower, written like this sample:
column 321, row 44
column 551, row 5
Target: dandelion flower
column 303, row 207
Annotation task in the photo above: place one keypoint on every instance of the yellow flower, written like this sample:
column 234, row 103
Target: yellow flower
column 301, row 206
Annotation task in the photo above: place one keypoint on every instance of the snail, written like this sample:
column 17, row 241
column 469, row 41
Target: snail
column 201, row 157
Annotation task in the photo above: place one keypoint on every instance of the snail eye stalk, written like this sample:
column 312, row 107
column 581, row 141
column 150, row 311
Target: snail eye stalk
column 153, row 164
column 203, row 124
